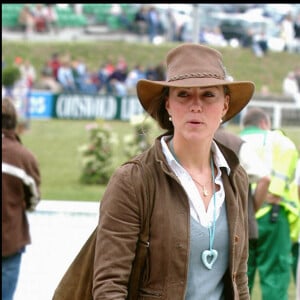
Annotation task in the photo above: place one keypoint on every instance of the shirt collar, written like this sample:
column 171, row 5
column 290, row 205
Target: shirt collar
column 219, row 158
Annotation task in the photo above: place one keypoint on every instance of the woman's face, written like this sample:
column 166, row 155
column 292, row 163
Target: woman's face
column 196, row 112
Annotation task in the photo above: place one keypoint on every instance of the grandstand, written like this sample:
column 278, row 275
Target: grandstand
column 91, row 13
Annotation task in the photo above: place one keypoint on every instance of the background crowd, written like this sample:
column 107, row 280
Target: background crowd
column 262, row 27
column 64, row 73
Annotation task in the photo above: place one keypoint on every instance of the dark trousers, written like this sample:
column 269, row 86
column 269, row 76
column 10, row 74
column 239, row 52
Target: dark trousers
column 271, row 256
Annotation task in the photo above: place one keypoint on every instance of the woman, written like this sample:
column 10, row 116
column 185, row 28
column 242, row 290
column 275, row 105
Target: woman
column 198, row 229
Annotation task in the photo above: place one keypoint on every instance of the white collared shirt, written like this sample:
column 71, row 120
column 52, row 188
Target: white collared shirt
column 197, row 208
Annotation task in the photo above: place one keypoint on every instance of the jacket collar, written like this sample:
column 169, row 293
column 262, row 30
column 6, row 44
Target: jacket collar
column 11, row 134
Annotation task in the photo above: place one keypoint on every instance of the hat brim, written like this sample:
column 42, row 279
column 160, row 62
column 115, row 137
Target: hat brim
column 240, row 91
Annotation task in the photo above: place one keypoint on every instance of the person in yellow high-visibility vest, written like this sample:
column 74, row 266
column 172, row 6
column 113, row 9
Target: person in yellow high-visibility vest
column 297, row 180
column 278, row 217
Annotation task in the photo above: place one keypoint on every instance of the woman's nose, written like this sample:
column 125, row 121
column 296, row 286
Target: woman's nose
column 196, row 107
column 196, row 104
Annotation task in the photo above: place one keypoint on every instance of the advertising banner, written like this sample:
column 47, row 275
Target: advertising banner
column 44, row 104
column 107, row 107
column 41, row 104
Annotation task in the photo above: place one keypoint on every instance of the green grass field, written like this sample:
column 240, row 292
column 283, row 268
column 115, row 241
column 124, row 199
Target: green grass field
column 55, row 143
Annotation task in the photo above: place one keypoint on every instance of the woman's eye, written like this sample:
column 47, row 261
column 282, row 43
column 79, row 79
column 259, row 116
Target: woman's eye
column 208, row 94
column 182, row 94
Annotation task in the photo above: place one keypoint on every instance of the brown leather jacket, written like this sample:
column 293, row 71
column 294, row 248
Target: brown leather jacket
column 20, row 192
column 165, row 274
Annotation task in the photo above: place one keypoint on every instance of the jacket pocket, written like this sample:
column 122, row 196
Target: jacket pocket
column 148, row 294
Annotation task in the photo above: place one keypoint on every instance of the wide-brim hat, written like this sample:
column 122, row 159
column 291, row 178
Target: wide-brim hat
column 195, row 65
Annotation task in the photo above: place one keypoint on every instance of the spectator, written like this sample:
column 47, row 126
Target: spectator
column 26, row 20
column 51, row 18
column 133, row 77
column 151, row 73
column 271, row 254
column 247, row 39
column 297, row 33
column 104, row 73
column 153, row 24
column 288, row 33
column 65, row 76
column 122, row 63
column 256, row 42
column 78, row 9
column 102, row 77
column 40, row 21
column 20, row 193
column 115, row 9
column 21, row 96
column 257, row 173
column 48, row 82
column 125, row 22
column 297, row 75
column 170, row 26
column 85, row 83
column 54, row 63
column 109, row 67
column 214, row 37
column 140, row 20
column 290, row 87
column 298, row 263
column 181, row 20
column 28, row 73
column 95, row 79
column 116, row 82
column 81, row 66
column 160, row 71
column 79, row 70
column 259, row 44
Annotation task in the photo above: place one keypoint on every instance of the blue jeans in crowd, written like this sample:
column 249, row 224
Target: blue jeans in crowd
column 10, row 274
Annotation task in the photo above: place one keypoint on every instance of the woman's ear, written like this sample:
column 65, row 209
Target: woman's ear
column 226, row 105
column 167, row 105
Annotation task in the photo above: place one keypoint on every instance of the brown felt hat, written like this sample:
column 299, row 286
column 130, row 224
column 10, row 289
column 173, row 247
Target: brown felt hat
column 195, row 65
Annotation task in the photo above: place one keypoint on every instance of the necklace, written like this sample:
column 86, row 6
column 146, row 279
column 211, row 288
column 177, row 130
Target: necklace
column 172, row 150
column 210, row 256
column 204, row 190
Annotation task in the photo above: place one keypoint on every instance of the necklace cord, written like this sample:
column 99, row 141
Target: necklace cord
column 212, row 230
column 212, row 227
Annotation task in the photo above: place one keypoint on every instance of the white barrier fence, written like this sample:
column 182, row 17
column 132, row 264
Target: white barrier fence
column 281, row 113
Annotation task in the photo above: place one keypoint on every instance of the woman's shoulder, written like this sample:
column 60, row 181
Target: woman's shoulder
column 139, row 162
column 135, row 168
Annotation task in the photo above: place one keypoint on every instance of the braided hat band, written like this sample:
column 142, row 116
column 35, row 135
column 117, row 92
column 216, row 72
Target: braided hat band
column 195, row 75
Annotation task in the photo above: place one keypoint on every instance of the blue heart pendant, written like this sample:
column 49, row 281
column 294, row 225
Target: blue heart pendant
column 209, row 257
